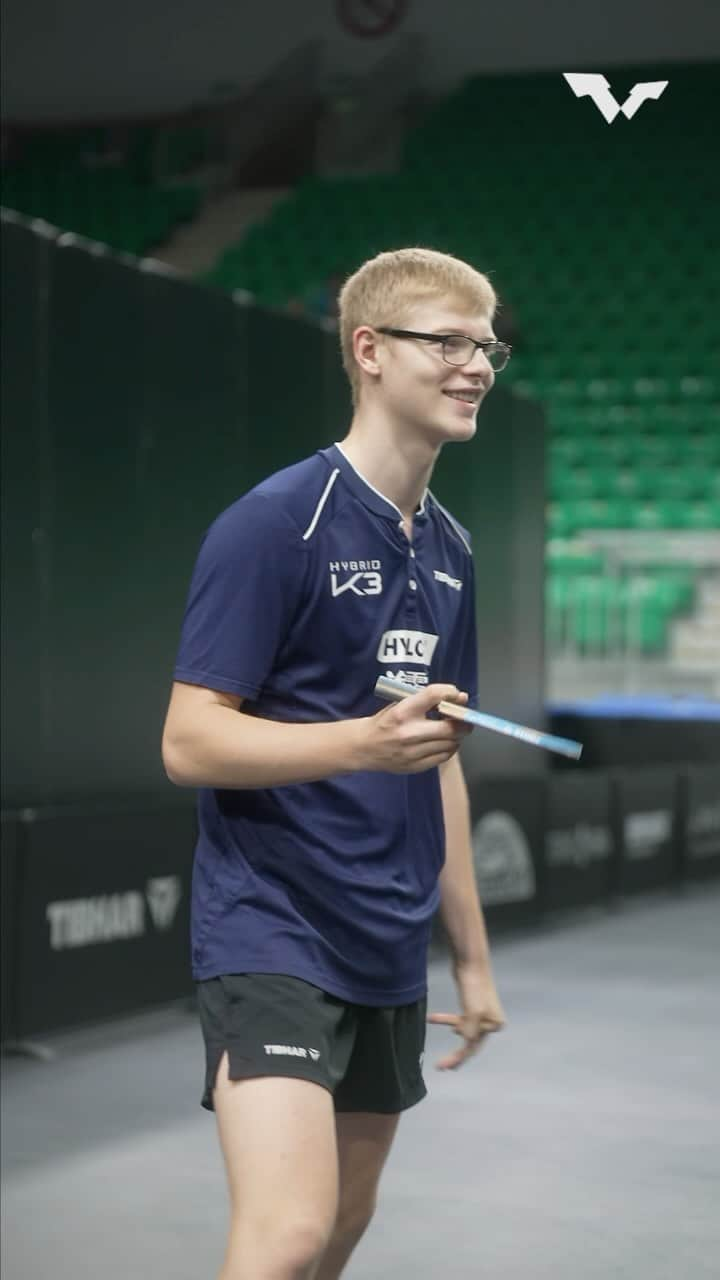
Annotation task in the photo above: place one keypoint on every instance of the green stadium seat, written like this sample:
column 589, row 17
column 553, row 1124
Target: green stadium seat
column 611, row 390
column 632, row 483
column 105, row 205
column 675, row 589
column 601, row 615
column 700, row 515
column 656, row 451
column 597, row 513
column 681, row 482
column 596, row 614
column 567, row 559
column 699, row 388
column 702, row 451
column 657, row 515
column 605, row 451
column 557, row 599
column 646, row 616
column 560, row 520
column 574, row 482
column 566, row 451
column 650, row 390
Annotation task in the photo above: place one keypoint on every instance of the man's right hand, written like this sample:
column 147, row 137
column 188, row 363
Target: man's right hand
column 401, row 739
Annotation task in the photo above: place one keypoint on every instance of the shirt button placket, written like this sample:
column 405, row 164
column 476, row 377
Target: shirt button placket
column 412, row 584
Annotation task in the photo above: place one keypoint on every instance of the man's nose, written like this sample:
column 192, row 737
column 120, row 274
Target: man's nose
column 480, row 367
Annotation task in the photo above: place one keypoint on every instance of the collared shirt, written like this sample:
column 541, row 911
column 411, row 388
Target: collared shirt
column 304, row 591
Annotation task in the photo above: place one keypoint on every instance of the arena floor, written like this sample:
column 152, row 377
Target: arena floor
column 581, row 1144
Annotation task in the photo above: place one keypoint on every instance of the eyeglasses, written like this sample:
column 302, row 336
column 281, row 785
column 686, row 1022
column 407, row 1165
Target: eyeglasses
column 457, row 349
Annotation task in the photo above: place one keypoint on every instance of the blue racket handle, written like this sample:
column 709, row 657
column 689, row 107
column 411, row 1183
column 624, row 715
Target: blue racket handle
column 395, row 690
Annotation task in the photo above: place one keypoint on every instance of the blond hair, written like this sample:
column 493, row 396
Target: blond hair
column 385, row 287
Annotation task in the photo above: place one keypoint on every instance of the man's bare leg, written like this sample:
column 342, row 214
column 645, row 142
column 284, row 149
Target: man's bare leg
column 364, row 1140
column 278, row 1139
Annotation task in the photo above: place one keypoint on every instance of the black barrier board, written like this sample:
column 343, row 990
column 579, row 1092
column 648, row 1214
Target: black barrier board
column 580, row 848
column 104, row 915
column 507, row 836
column 701, row 823
column 11, row 836
column 647, row 820
column 507, row 827
column 621, row 740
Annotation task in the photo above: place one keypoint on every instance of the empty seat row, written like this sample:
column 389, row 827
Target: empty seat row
column 604, row 615
column 103, row 206
column 667, row 416
column 620, row 393
column 564, row 519
column 701, row 448
column 685, row 482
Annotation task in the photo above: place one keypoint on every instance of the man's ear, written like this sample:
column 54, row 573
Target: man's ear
column 365, row 349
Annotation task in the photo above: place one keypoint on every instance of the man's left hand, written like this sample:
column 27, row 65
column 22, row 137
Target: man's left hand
column 481, row 1014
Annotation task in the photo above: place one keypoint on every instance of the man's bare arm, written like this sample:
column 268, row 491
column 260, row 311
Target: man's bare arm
column 209, row 742
column 460, row 908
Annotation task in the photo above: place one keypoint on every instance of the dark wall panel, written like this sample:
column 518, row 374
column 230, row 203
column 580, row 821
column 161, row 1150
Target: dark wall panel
column 27, row 500
column 193, row 460
column 94, row 388
column 494, row 484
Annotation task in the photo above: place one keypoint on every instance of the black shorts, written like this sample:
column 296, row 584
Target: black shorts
column 274, row 1025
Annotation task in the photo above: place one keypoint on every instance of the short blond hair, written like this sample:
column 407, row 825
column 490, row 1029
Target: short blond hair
column 385, row 287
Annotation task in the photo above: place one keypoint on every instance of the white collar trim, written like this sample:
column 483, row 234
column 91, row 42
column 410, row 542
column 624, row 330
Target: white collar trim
column 421, row 510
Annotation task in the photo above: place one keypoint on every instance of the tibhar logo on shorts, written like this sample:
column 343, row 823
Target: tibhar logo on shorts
column 365, row 579
column 407, row 646
column 445, row 577
column 291, row 1051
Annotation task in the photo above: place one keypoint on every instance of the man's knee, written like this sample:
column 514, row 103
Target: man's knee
column 278, row 1250
column 301, row 1243
column 353, row 1220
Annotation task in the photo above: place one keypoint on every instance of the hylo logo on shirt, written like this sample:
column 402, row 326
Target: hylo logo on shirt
column 407, row 646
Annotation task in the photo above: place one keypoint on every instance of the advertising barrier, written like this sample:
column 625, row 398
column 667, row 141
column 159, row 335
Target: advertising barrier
column 95, row 903
column 507, row 837
column 700, row 822
column 103, row 914
column 580, row 848
column 507, row 815
column 9, row 852
column 646, row 817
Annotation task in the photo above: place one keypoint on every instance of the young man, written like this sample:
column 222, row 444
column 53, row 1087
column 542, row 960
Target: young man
column 331, row 828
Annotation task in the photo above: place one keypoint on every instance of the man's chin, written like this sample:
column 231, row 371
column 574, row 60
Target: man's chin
column 461, row 430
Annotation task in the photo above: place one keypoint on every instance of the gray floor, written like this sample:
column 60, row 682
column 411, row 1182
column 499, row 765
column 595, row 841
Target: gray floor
column 583, row 1143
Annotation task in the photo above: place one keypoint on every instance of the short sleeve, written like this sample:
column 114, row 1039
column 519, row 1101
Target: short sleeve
column 465, row 642
column 245, row 589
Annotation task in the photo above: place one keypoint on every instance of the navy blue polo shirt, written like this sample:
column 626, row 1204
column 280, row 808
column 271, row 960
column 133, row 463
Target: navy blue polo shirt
column 306, row 590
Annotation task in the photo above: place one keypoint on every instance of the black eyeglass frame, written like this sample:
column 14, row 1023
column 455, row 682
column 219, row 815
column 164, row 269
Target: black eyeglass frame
column 443, row 337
